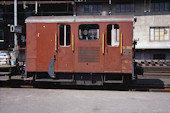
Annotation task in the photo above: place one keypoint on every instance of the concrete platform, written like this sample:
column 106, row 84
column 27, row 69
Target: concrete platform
column 14, row 100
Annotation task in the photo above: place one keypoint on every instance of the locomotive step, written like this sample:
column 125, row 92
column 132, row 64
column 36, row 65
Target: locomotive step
column 113, row 81
column 53, row 80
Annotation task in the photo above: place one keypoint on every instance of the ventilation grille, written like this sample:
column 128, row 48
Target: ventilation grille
column 89, row 54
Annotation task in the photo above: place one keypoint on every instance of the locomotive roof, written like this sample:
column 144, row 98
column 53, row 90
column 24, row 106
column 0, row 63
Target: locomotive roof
column 56, row 19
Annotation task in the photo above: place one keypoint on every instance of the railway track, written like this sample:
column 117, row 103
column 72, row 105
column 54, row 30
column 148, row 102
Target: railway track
column 166, row 89
column 119, row 87
column 155, row 79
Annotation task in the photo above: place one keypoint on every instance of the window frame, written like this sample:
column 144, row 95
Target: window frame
column 65, row 38
column 111, row 36
column 159, row 3
column 90, row 8
column 159, row 28
column 118, row 6
column 89, row 24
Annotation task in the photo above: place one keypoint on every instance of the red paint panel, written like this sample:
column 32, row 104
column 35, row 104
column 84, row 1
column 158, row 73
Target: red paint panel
column 127, row 29
column 45, row 45
column 31, row 47
column 126, row 66
column 31, row 64
column 65, row 59
column 112, row 60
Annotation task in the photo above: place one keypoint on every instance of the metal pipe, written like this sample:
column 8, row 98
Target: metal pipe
column 15, row 24
column 36, row 7
column 74, row 8
column 110, row 1
column 15, row 12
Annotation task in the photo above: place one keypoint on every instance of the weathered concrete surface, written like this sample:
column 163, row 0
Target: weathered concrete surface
column 14, row 100
column 142, row 31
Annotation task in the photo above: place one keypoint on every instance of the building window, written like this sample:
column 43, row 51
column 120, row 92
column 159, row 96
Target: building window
column 160, row 5
column 1, row 13
column 1, row 35
column 92, row 8
column 64, row 35
column 125, row 6
column 113, row 35
column 159, row 33
column 89, row 32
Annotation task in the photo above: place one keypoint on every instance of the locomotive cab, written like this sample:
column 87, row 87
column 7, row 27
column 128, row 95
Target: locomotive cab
column 83, row 50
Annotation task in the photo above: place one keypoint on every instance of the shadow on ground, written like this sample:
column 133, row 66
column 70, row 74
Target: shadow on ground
column 139, row 85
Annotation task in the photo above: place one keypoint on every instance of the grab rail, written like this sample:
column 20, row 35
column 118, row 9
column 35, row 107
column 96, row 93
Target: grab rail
column 121, row 43
column 56, row 49
column 73, row 42
column 103, row 44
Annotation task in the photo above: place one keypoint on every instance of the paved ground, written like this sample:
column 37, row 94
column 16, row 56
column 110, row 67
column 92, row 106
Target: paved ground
column 15, row 100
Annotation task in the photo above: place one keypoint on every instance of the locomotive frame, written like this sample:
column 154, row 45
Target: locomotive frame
column 82, row 50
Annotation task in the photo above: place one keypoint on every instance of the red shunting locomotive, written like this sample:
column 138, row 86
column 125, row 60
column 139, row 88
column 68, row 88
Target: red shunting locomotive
column 82, row 50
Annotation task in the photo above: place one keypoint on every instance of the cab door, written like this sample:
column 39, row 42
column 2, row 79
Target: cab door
column 112, row 58
column 65, row 55
column 88, row 48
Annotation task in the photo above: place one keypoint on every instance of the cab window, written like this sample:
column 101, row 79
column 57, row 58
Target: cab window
column 113, row 35
column 89, row 32
column 64, row 35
